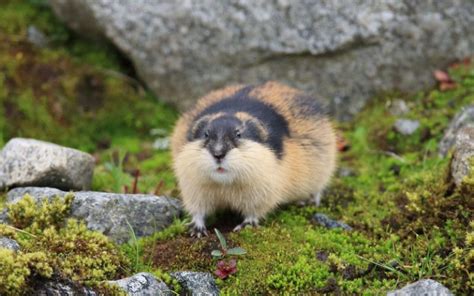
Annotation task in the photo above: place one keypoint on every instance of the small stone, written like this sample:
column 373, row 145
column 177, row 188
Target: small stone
column 28, row 162
column 424, row 287
column 398, row 108
column 327, row 222
column 463, row 119
column 197, row 283
column 112, row 213
column 3, row 216
column 37, row 37
column 161, row 143
column 143, row 284
column 406, row 127
column 345, row 172
column 8, row 243
column 463, row 156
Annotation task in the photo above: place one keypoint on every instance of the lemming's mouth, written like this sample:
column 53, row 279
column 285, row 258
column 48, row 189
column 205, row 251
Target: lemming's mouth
column 220, row 170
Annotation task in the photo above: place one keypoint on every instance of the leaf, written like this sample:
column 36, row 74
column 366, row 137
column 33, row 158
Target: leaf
column 341, row 142
column 236, row 251
column 216, row 253
column 447, row 86
column 441, row 76
column 221, row 239
column 221, row 274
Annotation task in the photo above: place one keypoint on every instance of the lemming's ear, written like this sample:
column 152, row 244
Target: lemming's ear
column 198, row 128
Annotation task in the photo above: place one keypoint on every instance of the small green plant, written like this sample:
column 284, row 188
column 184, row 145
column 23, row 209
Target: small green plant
column 224, row 251
column 225, row 267
column 116, row 170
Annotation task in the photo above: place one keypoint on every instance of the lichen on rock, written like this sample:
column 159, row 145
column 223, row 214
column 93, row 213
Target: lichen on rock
column 54, row 247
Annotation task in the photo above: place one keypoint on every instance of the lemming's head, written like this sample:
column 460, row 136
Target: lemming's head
column 223, row 146
column 220, row 133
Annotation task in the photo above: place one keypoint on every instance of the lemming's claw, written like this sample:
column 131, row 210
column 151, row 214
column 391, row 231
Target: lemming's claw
column 248, row 222
column 198, row 232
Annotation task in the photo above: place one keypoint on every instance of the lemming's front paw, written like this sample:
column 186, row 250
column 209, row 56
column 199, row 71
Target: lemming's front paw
column 248, row 222
column 198, row 232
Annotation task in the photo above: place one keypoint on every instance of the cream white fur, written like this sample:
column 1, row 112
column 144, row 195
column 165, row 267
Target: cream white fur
column 245, row 186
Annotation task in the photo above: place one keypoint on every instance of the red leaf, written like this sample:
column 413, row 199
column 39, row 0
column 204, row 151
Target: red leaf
column 226, row 268
column 221, row 274
column 441, row 76
column 341, row 142
column 447, row 86
column 232, row 264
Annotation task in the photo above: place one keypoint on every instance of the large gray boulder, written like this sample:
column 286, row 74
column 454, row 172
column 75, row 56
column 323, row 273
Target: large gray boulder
column 112, row 214
column 341, row 51
column 423, row 287
column 28, row 162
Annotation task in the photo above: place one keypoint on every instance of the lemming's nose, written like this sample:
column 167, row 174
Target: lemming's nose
column 219, row 155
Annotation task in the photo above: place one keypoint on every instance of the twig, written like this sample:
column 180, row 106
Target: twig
column 136, row 175
column 159, row 187
column 21, row 231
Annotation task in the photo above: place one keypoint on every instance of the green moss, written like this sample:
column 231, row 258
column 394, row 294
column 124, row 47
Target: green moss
column 291, row 256
column 53, row 247
column 409, row 221
column 80, row 95
column 172, row 283
column 17, row 268
column 3, row 198
column 26, row 214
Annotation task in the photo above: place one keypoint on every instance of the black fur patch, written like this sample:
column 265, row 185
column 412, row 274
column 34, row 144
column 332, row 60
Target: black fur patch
column 253, row 132
column 274, row 122
column 304, row 106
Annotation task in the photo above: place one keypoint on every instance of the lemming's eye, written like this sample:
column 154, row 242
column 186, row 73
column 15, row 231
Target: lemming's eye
column 237, row 134
column 206, row 134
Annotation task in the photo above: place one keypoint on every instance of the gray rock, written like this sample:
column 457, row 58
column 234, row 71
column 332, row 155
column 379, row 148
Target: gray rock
column 345, row 172
column 9, row 243
column 463, row 157
column 406, row 127
column 37, row 37
column 3, row 216
column 327, row 222
column 464, row 118
column 342, row 51
column 143, row 284
column 196, row 283
column 54, row 288
column 398, row 108
column 28, row 162
column 424, row 287
column 113, row 214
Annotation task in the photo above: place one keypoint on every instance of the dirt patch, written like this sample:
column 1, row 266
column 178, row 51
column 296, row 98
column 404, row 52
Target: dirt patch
column 184, row 252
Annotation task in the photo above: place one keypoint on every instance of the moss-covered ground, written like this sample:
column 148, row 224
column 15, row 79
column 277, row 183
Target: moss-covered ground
column 409, row 221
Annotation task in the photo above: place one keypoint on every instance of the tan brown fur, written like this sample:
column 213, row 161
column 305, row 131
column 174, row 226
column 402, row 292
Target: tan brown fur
column 262, row 181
